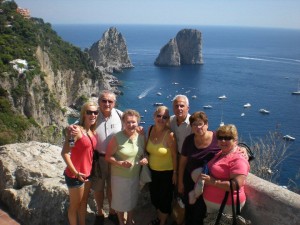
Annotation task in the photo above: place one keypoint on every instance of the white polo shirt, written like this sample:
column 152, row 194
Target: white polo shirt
column 181, row 131
column 106, row 128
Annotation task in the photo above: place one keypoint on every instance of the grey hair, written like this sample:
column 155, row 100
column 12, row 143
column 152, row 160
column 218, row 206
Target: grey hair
column 107, row 92
column 181, row 96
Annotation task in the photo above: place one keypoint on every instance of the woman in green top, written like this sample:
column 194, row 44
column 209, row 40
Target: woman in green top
column 126, row 154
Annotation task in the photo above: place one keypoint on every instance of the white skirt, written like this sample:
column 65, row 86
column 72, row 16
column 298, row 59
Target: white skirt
column 125, row 192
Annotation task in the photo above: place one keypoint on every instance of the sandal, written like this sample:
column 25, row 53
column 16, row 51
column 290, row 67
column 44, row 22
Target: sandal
column 156, row 221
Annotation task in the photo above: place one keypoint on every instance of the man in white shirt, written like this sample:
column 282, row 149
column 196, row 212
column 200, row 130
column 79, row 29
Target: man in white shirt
column 109, row 123
column 179, row 122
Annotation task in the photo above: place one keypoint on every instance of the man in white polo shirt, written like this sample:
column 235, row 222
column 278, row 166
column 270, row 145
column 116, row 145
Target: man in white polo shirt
column 109, row 123
column 179, row 122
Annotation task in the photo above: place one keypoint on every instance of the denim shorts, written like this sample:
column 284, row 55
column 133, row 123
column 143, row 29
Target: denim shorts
column 73, row 182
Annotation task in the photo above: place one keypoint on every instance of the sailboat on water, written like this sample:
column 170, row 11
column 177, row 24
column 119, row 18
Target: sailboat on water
column 298, row 91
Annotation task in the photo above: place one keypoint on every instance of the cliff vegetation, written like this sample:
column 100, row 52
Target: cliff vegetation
column 40, row 75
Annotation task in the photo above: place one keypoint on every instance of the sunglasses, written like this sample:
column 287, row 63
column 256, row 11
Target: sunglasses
column 225, row 138
column 89, row 112
column 106, row 101
column 161, row 116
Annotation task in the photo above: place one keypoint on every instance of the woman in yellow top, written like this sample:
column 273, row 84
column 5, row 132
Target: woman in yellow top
column 161, row 146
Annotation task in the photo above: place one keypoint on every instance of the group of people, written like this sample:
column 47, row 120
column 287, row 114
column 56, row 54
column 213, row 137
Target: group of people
column 173, row 147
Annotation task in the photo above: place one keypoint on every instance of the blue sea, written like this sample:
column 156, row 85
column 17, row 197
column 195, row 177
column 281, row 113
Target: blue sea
column 259, row 66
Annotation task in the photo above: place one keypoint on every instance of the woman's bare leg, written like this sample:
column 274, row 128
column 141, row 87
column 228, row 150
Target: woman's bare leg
column 75, row 195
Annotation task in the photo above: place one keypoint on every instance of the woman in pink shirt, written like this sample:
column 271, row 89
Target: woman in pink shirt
column 226, row 165
column 79, row 162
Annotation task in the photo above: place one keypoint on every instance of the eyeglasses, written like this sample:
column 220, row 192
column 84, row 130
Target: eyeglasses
column 89, row 112
column 106, row 101
column 161, row 116
column 225, row 138
column 198, row 125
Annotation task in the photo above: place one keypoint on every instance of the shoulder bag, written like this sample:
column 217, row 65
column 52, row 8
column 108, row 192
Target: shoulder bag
column 145, row 173
column 96, row 168
column 220, row 218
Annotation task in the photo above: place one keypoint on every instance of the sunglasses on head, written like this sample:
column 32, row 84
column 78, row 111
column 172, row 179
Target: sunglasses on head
column 106, row 101
column 161, row 116
column 89, row 112
column 225, row 138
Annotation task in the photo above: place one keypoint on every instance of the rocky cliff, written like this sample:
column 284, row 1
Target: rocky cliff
column 33, row 188
column 110, row 53
column 184, row 49
column 42, row 75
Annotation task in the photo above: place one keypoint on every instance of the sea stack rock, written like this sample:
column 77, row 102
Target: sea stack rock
column 110, row 52
column 184, row 49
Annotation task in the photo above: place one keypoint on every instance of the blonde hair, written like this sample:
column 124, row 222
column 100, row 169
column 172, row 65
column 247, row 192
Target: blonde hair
column 228, row 130
column 131, row 112
column 83, row 112
column 161, row 108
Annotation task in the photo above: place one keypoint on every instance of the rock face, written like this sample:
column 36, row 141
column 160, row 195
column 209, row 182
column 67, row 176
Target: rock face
column 33, row 187
column 184, row 49
column 110, row 53
column 32, row 183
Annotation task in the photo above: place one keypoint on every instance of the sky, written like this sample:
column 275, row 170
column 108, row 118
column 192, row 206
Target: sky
column 243, row 13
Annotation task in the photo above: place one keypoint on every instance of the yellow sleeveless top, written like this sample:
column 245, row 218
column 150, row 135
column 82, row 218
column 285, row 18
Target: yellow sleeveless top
column 160, row 157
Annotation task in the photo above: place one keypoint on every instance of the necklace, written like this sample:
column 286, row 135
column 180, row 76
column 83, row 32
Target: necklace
column 157, row 134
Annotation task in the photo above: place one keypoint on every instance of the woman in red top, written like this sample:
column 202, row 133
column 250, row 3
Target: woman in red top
column 79, row 162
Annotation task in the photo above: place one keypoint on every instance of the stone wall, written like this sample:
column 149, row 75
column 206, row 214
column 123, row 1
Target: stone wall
column 270, row 204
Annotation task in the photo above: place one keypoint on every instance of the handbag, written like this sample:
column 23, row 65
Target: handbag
column 96, row 168
column 220, row 218
column 178, row 210
column 145, row 175
column 250, row 153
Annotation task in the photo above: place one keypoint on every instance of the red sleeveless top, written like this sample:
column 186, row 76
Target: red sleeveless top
column 82, row 156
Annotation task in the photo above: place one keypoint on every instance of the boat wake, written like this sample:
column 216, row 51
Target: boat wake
column 144, row 93
column 272, row 59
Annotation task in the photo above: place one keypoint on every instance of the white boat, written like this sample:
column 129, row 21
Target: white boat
column 247, row 105
column 142, row 122
column 158, row 93
column 264, row 111
column 194, row 96
column 222, row 97
column 207, row 107
column 243, row 114
column 221, row 124
column 298, row 91
column 158, row 104
column 288, row 138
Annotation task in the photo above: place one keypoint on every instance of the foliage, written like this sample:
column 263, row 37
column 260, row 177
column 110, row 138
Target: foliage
column 12, row 126
column 20, row 39
column 270, row 152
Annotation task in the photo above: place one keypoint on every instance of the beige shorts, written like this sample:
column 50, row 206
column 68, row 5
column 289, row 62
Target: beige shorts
column 98, row 184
